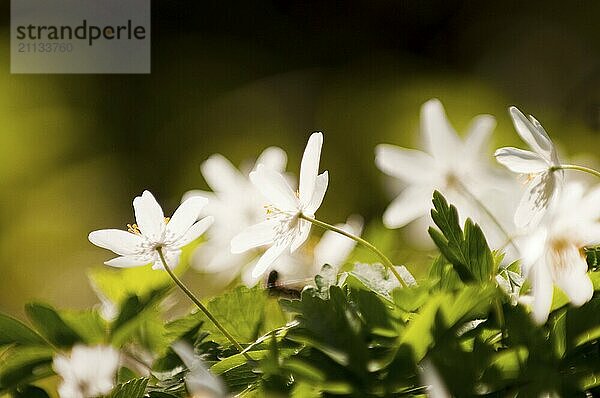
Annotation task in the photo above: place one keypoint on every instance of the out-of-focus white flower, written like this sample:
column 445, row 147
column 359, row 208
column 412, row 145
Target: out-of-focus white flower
column 199, row 381
column 236, row 204
column 380, row 280
column 298, row 269
column 87, row 372
column 538, row 165
column 448, row 164
column 432, row 379
column 284, row 228
column 552, row 254
column 138, row 245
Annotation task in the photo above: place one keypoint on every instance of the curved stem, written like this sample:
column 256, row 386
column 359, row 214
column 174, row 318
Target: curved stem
column 386, row 261
column 199, row 304
column 578, row 168
column 489, row 213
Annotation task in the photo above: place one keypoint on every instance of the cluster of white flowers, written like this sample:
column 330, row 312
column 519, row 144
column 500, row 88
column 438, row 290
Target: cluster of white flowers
column 261, row 221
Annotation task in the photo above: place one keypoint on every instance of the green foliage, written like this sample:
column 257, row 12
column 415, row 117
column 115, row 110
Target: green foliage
column 467, row 251
column 349, row 335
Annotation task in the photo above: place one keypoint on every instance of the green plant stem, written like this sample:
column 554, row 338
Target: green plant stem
column 500, row 315
column 199, row 304
column 577, row 168
column 386, row 261
column 489, row 213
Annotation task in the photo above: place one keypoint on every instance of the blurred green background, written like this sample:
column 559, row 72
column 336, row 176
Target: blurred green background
column 236, row 78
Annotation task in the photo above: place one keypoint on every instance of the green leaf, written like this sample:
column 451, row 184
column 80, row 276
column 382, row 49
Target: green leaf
column 21, row 364
column 13, row 331
column 30, row 392
column 87, row 323
column 468, row 252
column 132, row 389
column 473, row 302
column 51, row 325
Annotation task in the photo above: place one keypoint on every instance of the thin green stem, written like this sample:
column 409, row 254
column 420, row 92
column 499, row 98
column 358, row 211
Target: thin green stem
column 578, row 168
column 386, row 261
column 500, row 315
column 199, row 304
column 489, row 213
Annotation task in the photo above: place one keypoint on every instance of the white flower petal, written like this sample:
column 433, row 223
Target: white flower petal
column 198, row 192
column 318, row 194
column 149, row 216
column 570, row 274
column 533, row 248
column 478, row 134
column 220, row 174
column 194, row 232
column 267, row 260
column 412, row 203
column 274, row 158
column 334, row 248
column 542, row 289
column 120, row 242
column 406, row 164
column 302, row 236
column 536, row 199
column 521, row 161
column 309, row 168
column 171, row 257
column 537, row 139
column 186, row 214
column 128, row 261
column 254, row 236
column 274, row 187
column 441, row 140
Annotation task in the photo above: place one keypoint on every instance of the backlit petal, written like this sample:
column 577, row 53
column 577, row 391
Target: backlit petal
column 128, row 261
column 274, row 158
column 149, row 216
column 406, row 164
column 318, row 194
column 538, row 196
column 521, row 161
column 412, row 203
column 194, row 232
column 267, row 260
column 220, row 174
column 274, row 187
column 302, row 235
column 120, row 242
column 441, row 140
column 536, row 138
column 186, row 214
column 542, row 289
column 309, row 168
column 254, row 236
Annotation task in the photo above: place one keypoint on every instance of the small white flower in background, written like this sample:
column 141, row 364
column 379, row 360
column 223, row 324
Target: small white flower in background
column 284, row 229
column 379, row 279
column 199, row 381
column 553, row 253
column 236, row 204
column 448, row 165
column 87, row 372
column 432, row 379
column 298, row 269
column 543, row 182
column 138, row 246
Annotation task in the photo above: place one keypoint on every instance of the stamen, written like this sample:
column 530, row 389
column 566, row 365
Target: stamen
column 134, row 229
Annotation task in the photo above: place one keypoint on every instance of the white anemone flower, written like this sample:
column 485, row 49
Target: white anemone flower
column 553, row 253
column 138, row 246
column 544, row 181
column 285, row 229
column 299, row 269
column 236, row 204
column 87, row 372
column 448, row 164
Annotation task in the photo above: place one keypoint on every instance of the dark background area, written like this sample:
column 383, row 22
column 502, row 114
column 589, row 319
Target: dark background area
column 235, row 78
